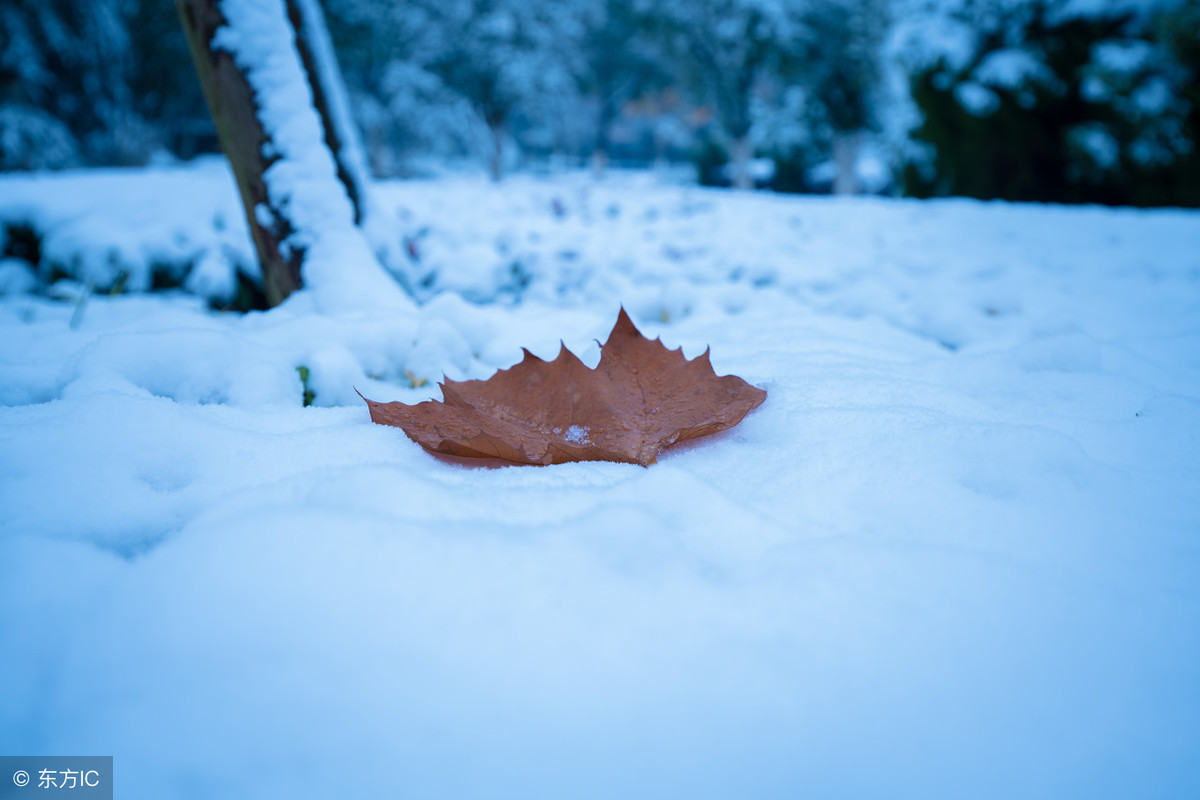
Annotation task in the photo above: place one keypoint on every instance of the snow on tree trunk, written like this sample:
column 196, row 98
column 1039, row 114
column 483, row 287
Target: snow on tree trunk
column 329, row 96
column 341, row 133
column 739, row 155
column 845, row 157
column 300, row 214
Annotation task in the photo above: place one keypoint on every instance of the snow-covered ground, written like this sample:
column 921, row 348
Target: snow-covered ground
column 956, row 554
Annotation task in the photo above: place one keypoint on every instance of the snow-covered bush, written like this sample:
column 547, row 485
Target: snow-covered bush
column 129, row 231
column 1075, row 103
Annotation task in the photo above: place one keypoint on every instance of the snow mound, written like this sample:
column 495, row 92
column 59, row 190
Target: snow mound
column 133, row 230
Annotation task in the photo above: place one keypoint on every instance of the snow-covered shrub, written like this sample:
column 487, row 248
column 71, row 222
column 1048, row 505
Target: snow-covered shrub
column 174, row 228
column 1036, row 101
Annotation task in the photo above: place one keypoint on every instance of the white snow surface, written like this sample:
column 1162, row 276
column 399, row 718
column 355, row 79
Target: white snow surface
column 956, row 553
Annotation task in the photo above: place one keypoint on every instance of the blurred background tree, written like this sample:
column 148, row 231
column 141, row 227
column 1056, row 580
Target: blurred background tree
column 464, row 76
column 840, row 64
column 1020, row 99
column 624, row 61
column 65, row 92
column 726, row 53
column 1050, row 105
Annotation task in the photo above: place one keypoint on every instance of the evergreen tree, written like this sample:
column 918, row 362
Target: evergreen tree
column 1065, row 107
column 839, row 68
column 447, row 68
column 728, row 51
column 622, row 63
column 65, row 94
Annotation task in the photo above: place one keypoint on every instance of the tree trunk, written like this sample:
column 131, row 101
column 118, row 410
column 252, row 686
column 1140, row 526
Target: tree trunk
column 274, row 91
column 600, row 153
column 739, row 155
column 231, row 100
column 599, row 163
column 496, row 160
column 845, row 157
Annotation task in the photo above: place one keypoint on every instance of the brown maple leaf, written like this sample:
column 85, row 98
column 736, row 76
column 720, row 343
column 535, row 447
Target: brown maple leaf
column 640, row 398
